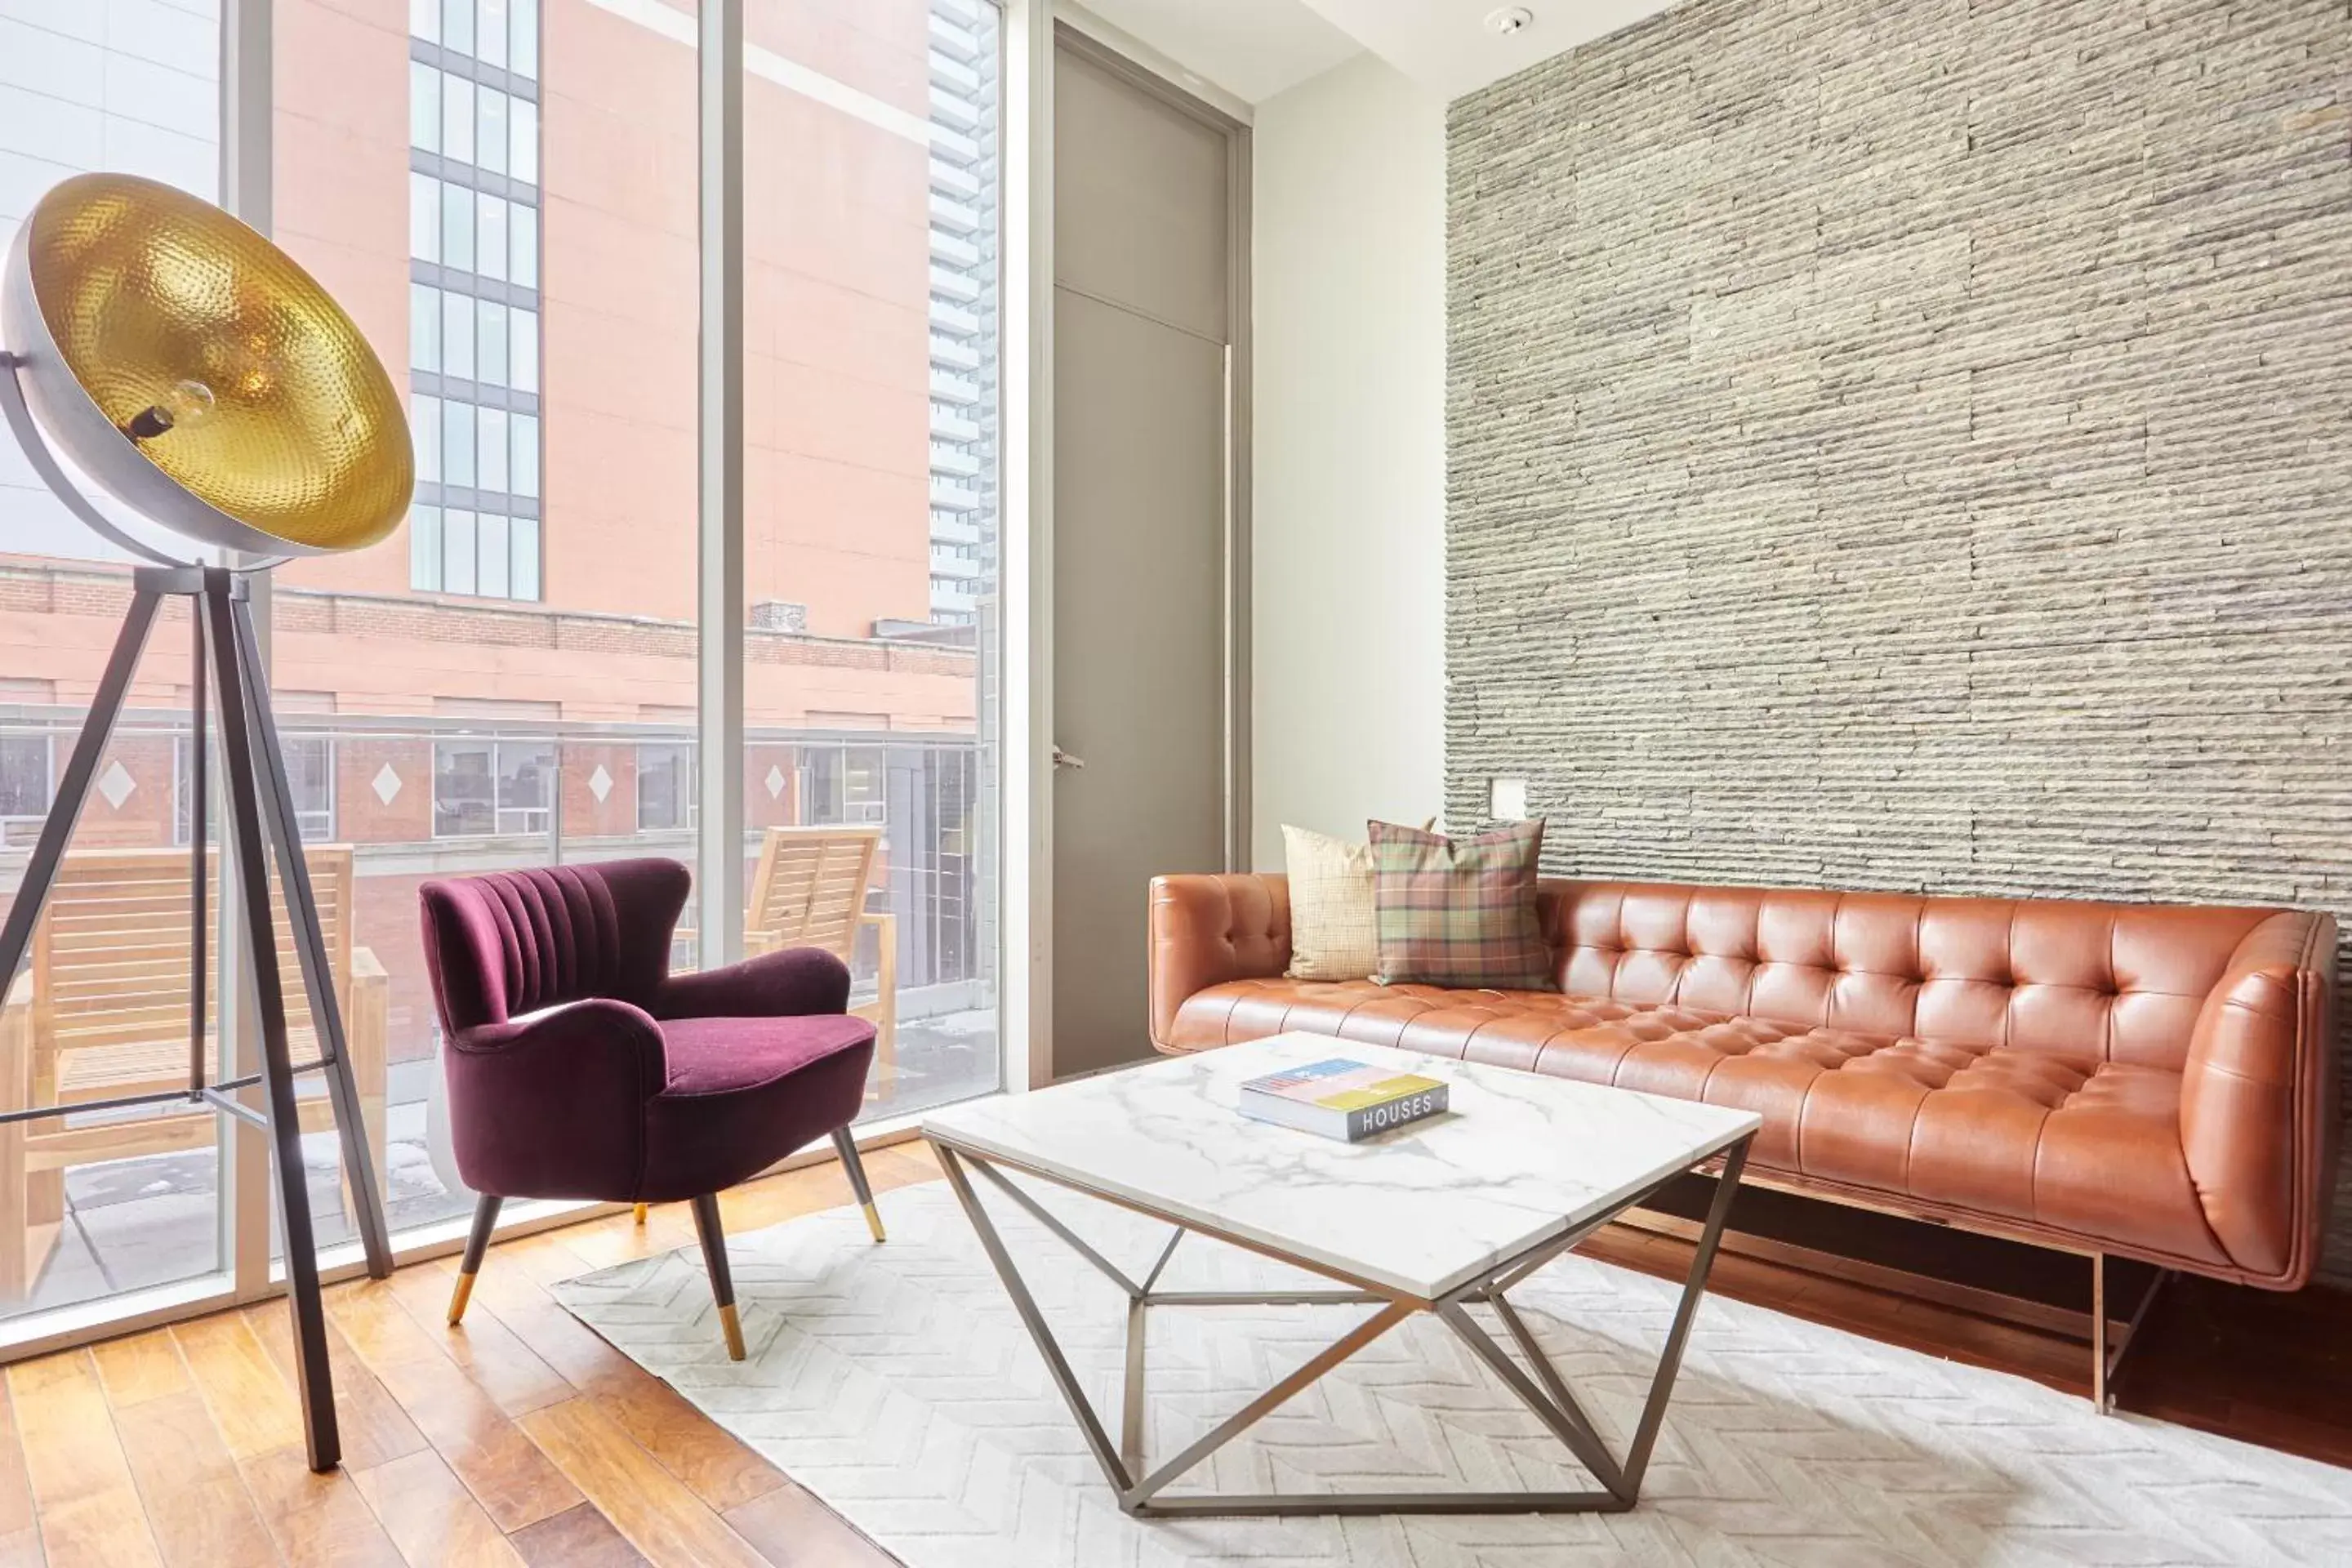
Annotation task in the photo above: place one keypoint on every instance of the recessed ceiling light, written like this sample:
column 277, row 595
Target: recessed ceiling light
column 1510, row 19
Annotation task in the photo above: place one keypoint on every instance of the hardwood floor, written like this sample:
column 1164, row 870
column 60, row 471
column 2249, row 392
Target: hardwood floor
column 2264, row 1367
column 525, row 1438
column 519, row 1439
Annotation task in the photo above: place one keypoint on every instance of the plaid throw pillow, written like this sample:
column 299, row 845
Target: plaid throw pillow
column 1459, row 911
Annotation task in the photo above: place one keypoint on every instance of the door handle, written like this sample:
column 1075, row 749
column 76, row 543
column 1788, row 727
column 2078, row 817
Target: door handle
column 1063, row 759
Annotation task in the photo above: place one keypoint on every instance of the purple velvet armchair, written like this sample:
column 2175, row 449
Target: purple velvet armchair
column 579, row 1067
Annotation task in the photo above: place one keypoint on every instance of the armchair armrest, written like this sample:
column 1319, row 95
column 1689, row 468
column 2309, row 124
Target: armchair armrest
column 2258, row 1098
column 553, row 1106
column 796, row 981
column 1210, row 929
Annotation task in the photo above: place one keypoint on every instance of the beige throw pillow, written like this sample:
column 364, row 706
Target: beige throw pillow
column 1332, row 933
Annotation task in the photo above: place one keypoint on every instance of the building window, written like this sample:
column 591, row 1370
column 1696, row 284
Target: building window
column 474, row 303
column 844, row 785
column 492, row 786
column 310, row 775
column 666, row 786
column 458, row 549
column 503, row 32
column 25, row 783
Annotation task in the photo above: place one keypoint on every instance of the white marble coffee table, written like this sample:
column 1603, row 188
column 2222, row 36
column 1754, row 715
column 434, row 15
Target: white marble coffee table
column 1439, row 1216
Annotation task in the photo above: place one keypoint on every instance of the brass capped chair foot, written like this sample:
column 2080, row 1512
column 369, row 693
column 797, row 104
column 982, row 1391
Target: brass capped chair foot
column 642, row 1210
column 873, row 1221
column 460, row 1296
column 733, row 1326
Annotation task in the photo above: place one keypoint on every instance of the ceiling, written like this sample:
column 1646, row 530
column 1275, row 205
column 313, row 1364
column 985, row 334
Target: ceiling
column 1255, row 48
column 1252, row 49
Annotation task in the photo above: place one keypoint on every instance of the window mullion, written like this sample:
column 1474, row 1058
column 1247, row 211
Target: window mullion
column 247, row 186
column 719, row 448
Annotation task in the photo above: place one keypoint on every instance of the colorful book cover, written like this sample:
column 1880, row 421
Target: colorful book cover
column 1342, row 1099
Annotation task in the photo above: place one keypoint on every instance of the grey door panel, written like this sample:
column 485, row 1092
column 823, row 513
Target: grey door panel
column 1140, row 572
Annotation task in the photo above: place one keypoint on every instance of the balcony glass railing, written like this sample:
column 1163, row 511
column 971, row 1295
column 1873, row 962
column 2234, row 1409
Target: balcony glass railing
column 401, row 801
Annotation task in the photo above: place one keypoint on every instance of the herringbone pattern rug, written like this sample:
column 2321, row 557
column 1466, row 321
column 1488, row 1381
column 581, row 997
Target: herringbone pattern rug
column 896, row 1384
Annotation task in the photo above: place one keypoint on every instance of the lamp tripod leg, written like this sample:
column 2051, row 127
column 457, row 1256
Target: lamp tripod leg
column 311, row 947
column 74, row 784
column 238, row 731
column 199, row 875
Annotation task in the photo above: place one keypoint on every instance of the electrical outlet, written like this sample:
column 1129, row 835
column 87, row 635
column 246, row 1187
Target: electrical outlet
column 1506, row 800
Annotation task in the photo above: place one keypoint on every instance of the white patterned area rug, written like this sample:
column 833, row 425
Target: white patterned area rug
column 897, row 1383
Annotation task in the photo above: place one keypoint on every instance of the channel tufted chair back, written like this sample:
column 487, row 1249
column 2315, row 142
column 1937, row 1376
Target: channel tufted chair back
column 513, row 943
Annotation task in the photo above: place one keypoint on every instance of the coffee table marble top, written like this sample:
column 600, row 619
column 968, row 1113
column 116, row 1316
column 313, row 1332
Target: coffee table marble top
column 1517, row 1158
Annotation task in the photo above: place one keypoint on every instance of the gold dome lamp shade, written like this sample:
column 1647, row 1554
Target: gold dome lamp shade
column 194, row 372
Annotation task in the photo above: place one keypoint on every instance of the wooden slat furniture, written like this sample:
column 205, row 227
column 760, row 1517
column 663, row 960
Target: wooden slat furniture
column 810, row 891
column 102, row 1010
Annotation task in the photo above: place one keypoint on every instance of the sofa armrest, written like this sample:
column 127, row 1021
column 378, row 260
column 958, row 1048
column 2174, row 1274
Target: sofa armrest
column 1211, row 928
column 2258, row 1098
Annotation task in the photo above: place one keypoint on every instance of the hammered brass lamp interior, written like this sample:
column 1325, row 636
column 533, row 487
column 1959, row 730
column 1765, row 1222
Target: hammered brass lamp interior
column 225, row 364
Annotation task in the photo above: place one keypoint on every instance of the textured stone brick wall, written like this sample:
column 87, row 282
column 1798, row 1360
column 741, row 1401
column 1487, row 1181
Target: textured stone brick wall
column 1909, row 445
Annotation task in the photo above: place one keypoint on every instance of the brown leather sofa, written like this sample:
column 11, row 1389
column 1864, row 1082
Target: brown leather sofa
column 2146, row 1081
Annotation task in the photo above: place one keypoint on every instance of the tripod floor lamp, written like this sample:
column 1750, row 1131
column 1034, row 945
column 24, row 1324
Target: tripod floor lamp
column 193, row 371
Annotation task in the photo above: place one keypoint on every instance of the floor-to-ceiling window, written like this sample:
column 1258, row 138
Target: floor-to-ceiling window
column 499, row 680
column 94, row 1208
column 872, row 164
column 503, row 194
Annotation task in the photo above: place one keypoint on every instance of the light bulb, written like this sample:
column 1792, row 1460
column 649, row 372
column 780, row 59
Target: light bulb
column 186, row 404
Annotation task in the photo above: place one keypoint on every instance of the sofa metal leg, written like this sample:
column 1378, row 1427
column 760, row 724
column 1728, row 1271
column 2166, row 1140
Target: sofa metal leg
column 2099, row 1399
column 722, row 1282
column 847, row 1148
column 2107, row 1358
column 478, row 1242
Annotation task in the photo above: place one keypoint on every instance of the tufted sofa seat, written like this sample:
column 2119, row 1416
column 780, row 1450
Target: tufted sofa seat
column 2148, row 1081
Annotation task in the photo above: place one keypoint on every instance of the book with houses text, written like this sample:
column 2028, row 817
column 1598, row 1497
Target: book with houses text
column 1342, row 1099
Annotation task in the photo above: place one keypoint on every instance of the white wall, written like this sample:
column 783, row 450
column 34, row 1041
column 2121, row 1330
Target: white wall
column 1349, row 500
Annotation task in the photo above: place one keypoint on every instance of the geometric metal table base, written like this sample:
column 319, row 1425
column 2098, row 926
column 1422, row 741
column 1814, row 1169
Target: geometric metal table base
column 1544, row 1392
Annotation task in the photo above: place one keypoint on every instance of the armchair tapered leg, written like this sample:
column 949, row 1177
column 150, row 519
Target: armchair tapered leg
column 478, row 1242
column 638, row 1214
column 847, row 1148
column 722, row 1282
